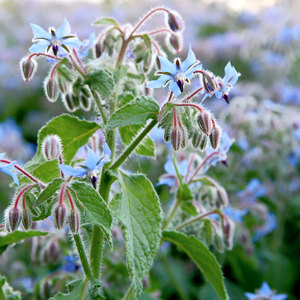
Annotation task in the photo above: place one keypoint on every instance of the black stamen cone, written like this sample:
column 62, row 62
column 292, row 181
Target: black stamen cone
column 226, row 98
column 55, row 50
column 180, row 84
column 93, row 180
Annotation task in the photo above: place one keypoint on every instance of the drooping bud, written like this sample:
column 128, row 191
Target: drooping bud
column 222, row 194
column 167, row 134
column 147, row 62
column 158, row 62
column 51, row 147
column 52, row 251
column 215, row 137
column 45, row 289
column 62, row 84
column 26, row 219
column 28, row 68
column 74, row 221
column 51, row 89
column 76, row 101
column 60, row 213
column 228, row 230
column 209, row 83
column 176, row 138
column 185, row 139
column 175, row 22
column 204, row 122
column 175, row 42
column 85, row 102
column 68, row 102
column 14, row 218
column 98, row 49
column 196, row 138
column 203, row 142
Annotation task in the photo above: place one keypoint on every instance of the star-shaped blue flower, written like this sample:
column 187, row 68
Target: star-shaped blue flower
column 265, row 292
column 8, row 169
column 54, row 39
column 91, row 166
column 176, row 74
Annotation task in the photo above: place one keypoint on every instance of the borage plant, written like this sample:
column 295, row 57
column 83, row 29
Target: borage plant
column 77, row 179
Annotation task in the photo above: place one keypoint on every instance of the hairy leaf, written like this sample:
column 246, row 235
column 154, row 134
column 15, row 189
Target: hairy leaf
column 202, row 257
column 49, row 191
column 106, row 21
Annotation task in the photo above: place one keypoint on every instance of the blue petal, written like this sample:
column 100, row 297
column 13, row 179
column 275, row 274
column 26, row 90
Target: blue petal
column 107, row 151
column 167, row 66
column 169, row 166
column 2, row 155
column 8, row 170
column 265, row 290
column 174, row 88
column 189, row 74
column 91, row 160
column 251, row 296
column 190, row 60
column 71, row 43
column 69, row 171
column 40, row 33
column 226, row 142
column 182, row 167
column 167, row 181
column 160, row 82
column 39, row 47
column 279, row 297
column 231, row 75
column 63, row 30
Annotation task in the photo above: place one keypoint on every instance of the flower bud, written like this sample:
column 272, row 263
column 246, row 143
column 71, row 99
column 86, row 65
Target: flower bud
column 28, row 68
column 204, row 122
column 45, row 289
column 60, row 213
column 209, row 83
column 52, row 251
column 74, row 221
column 157, row 60
column 26, row 219
column 215, row 137
column 51, row 147
column 175, row 42
column 62, row 84
column 203, row 142
column 14, row 218
column 68, row 102
column 76, row 101
column 228, row 230
column 98, row 49
column 51, row 89
column 222, row 194
column 174, row 22
column 147, row 62
column 196, row 138
column 167, row 134
column 85, row 102
column 176, row 138
column 184, row 140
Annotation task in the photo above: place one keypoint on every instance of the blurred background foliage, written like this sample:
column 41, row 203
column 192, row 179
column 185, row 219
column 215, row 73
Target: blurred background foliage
column 261, row 39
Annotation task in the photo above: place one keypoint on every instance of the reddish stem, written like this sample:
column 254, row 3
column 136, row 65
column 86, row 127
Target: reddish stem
column 201, row 165
column 170, row 97
column 21, row 193
column 175, row 117
column 43, row 54
column 79, row 60
column 70, row 200
column 161, row 30
column 24, row 172
column 189, row 104
column 62, row 194
column 192, row 94
column 53, row 70
column 156, row 47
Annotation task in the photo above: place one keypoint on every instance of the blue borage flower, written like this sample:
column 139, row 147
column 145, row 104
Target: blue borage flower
column 217, row 86
column 8, row 169
column 54, row 39
column 91, row 166
column 176, row 74
column 265, row 292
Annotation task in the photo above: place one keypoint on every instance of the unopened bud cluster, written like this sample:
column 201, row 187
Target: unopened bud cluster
column 51, row 147
column 182, row 124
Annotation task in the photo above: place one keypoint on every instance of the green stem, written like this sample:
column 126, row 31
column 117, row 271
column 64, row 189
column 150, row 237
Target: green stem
column 171, row 213
column 99, row 106
column 129, row 294
column 133, row 145
column 96, row 251
column 82, row 256
column 122, row 52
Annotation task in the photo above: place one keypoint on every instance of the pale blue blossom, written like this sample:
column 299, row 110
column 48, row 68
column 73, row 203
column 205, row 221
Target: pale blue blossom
column 176, row 74
column 54, row 39
column 8, row 169
column 254, row 190
column 265, row 292
column 263, row 230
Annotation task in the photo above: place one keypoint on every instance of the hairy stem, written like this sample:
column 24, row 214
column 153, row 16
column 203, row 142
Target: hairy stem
column 99, row 106
column 96, row 251
column 171, row 213
column 133, row 145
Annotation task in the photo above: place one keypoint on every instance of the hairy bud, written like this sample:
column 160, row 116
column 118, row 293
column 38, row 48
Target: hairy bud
column 175, row 42
column 51, row 89
column 147, row 63
column 62, row 84
column 45, row 289
column 98, row 49
column 185, row 139
column 204, row 122
column 28, row 68
column 74, row 221
column 14, row 218
column 51, row 147
column 209, row 83
column 203, row 142
column 85, row 102
column 176, row 138
column 174, row 21
column 215, row 137
column 26, row 219
column 196, row 138
column 228, row 230
column 157, row 62
column 60, row 213
column 68, row 102
column 222, row 194
column 52, row 251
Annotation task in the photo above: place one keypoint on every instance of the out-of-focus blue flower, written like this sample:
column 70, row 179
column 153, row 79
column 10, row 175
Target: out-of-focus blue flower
column 220, row 154
column 243, row 143
column 170, row 178
column 72, row 264
column 297, row 132
column 91, row 166
column 226, row 84
column 54, row 39
column 269, row 225
column 86, row 45
column 265, row 292
column 288, row 34
column 26, row 282
column 8, row 169
column 235, row 214
column 176, row 74
column 253, row 190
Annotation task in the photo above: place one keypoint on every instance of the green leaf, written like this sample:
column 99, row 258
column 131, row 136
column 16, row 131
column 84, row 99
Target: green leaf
column 136, row 112
column 128, row 133
column 79, row 292
column 101, row 81
column 96, row 209
column 184, row 193
column 17, row 236
column 49, row 191
column 72, row 131
column 7, row 292
column 202, row 257
column 106, row 21
column 137, row 206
